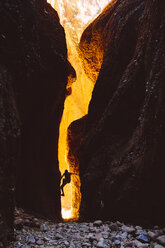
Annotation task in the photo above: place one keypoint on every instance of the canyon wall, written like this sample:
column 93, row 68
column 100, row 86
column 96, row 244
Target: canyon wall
column 121, row 155
column 33, row 75
column 44, row 62
column 9, row 144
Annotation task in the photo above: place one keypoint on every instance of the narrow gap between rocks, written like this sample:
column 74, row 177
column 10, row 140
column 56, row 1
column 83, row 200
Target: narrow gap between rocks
column 75, row 16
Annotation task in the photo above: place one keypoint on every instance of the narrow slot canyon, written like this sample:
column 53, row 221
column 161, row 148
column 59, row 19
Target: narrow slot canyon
column 82, row 90
column 75, row 16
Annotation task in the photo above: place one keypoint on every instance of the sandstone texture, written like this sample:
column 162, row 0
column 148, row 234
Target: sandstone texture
column 121, row 157
column 74, row 138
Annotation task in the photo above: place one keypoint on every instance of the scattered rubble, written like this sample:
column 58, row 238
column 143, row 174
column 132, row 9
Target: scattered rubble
column 31, row 232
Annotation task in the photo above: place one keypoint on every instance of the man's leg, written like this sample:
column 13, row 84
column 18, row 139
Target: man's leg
column 62, row 190
column 62, row 187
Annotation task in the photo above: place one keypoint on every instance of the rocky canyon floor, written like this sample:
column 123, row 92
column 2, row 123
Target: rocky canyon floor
column 31, row 232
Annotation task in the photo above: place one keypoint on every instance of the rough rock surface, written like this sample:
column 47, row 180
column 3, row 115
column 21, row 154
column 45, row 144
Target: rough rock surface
column 33, row 50
column 31, row 232
column 93, row 42
column 9, row 141
column 122, row 154
column 75, row 136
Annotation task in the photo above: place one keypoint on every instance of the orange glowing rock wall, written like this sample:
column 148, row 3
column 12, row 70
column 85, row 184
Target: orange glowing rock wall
column 74, row 15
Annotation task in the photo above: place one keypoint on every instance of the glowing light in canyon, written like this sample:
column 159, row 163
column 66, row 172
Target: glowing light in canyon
column 74, row 15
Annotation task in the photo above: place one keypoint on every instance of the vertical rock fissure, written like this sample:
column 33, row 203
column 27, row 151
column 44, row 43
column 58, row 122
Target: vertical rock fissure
column 74, row 17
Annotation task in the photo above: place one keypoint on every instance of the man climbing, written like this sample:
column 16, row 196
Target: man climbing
column 66, row 180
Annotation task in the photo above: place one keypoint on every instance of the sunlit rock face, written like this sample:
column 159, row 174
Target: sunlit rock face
column 122, row 157
column 74, row 16
column 92, row 45
column 33, row 49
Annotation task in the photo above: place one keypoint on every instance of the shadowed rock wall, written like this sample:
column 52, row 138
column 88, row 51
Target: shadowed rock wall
column 33, row 51
column 122, row 154
column 9, row 144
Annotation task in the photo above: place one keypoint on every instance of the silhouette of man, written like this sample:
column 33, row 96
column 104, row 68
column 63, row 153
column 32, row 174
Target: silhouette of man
column 66, row 180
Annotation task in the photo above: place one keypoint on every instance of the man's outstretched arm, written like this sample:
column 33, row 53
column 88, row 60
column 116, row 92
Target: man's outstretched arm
column 74, row 174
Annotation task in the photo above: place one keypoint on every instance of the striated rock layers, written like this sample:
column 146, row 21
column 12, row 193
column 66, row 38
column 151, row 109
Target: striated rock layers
column 122, row 160
column 33, row 51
